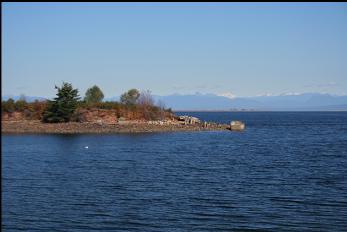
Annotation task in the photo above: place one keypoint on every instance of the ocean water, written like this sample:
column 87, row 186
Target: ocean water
column 286, row 172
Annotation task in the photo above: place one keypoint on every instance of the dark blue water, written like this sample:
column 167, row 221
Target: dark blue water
column 285, row 172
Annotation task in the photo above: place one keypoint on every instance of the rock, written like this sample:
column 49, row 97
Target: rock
column 36, row 126
column 121, row 119
column 188, row 120
column 237, row 125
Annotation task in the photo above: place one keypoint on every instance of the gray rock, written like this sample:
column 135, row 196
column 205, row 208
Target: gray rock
column 237, row 125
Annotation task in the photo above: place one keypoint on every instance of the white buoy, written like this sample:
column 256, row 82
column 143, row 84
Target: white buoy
column 86, row 147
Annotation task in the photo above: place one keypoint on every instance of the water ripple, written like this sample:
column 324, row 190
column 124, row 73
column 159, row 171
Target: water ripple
column 286, row 172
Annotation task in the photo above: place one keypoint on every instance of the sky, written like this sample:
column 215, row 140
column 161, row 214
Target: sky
column 235, row 49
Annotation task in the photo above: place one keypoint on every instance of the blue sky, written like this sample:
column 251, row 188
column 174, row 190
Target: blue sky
column 246, row 49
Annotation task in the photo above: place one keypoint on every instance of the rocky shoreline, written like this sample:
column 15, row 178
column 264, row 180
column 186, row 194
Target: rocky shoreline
column 37, row 127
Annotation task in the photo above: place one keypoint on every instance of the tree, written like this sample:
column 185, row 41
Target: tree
column 8, row 106
column 146, row 98
column 63, row 106
column 130, row 97
column 93, row 95
column 146, row 103
column 21, row 103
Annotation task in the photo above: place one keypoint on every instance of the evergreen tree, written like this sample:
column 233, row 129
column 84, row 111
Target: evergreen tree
column 93, row 95
column 63, row 106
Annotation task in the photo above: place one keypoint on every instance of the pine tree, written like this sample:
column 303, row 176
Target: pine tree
column 63, row 106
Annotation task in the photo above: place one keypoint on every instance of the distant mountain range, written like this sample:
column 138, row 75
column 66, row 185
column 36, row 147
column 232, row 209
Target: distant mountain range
column 294, row 102
column 300, row 102
column 27, row 98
